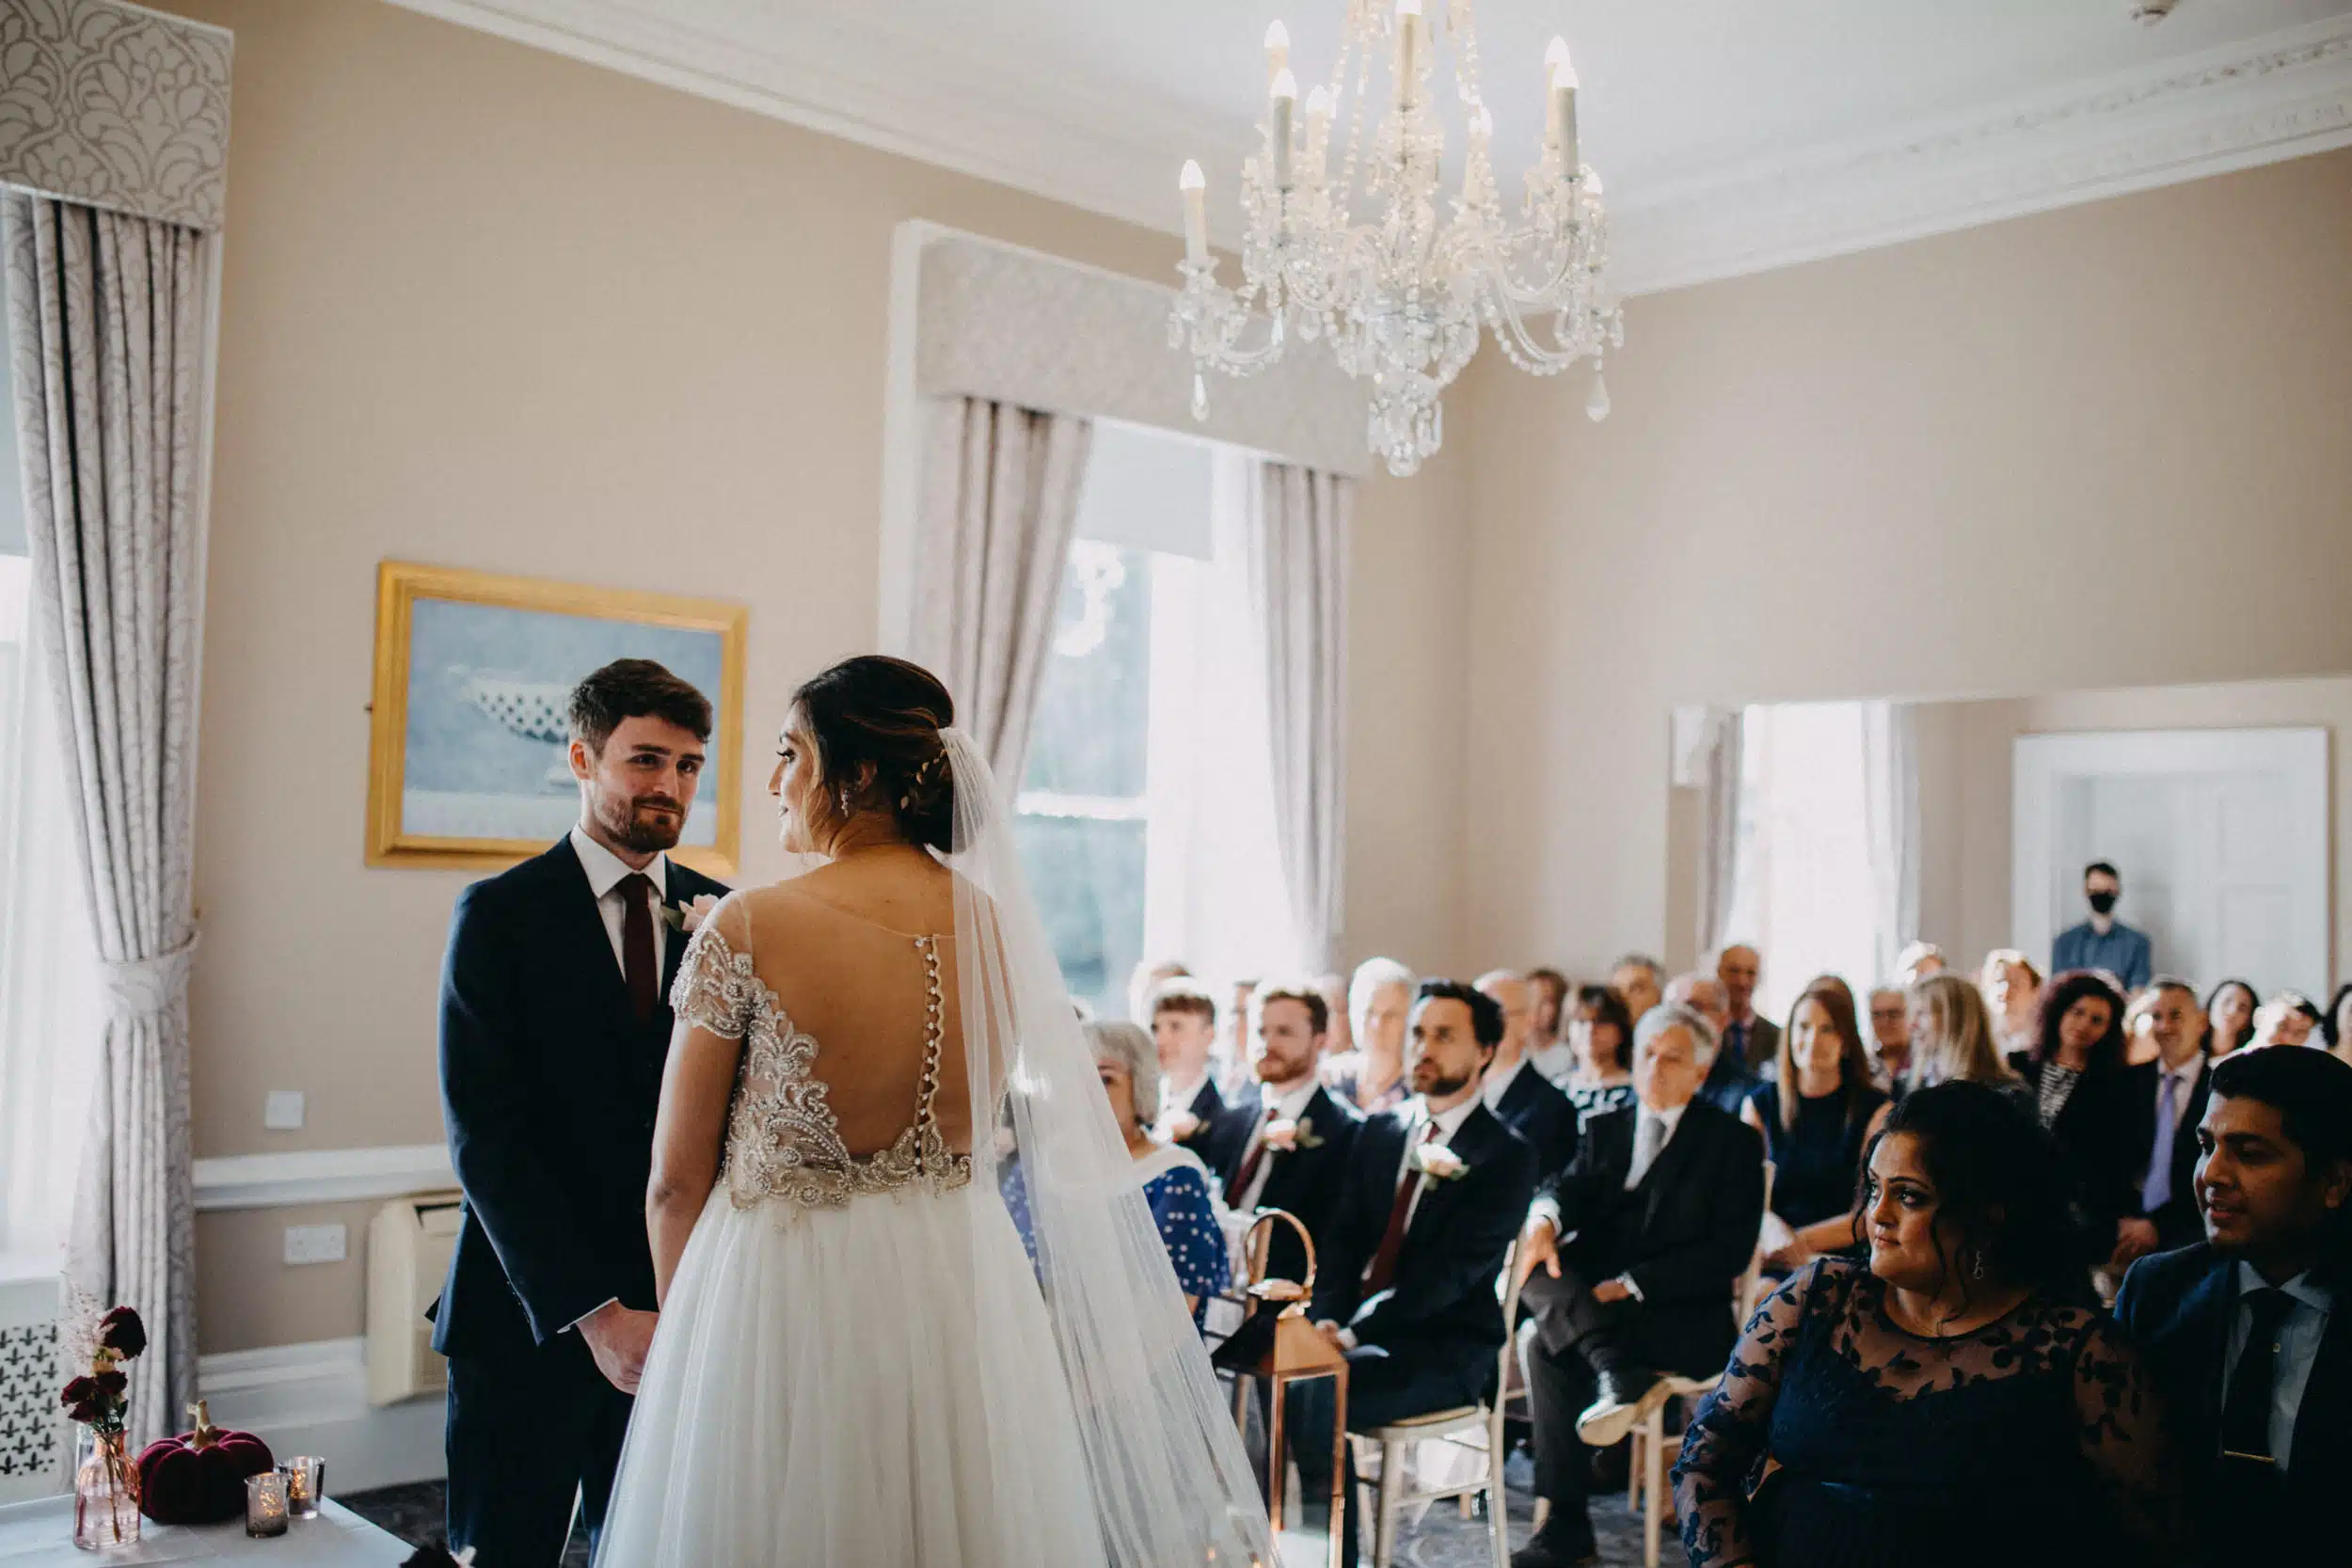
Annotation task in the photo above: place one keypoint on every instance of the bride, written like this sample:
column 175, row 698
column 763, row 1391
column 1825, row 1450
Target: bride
column 856, row 1363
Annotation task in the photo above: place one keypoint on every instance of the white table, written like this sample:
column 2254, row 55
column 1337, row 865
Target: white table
column 40, row 1534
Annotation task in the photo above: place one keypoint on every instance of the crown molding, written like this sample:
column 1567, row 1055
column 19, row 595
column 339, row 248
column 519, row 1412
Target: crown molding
column 848, row 72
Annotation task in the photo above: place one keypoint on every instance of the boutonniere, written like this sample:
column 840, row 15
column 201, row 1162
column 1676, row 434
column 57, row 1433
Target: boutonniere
column 1180, row 1125
column 1289, row 1136
column 1439, row 1162
column 689, row 917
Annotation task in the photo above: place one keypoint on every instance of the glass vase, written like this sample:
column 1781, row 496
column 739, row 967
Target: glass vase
column 105, row 1492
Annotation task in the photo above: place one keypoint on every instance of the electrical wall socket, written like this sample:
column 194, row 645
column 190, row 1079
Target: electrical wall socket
column 282, row 1111
column 317, row 1244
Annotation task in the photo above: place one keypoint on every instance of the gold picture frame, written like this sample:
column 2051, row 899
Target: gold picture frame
column 449, row 765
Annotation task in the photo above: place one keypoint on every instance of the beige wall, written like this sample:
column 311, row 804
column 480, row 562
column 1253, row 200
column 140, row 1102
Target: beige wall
column 2088, row 448
column 1964, row 867
column 487, row 306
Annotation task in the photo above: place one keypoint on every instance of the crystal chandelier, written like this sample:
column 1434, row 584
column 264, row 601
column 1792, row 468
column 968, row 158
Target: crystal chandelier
column 1400, row 295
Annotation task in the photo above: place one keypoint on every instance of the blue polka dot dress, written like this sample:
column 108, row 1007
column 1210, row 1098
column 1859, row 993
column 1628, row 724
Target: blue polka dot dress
column 1177, row 1189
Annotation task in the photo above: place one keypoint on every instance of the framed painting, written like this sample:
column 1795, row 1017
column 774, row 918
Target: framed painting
column 469, row 761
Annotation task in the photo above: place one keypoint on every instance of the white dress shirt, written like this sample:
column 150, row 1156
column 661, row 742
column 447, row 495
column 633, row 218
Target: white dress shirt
column 2184, row 1083
column 2298, row 1347
column 606, row 872
column 1556, row 1061
column 1272, row 1108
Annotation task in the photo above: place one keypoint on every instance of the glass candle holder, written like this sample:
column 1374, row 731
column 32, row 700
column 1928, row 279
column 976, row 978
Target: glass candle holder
column 306, row 1485
column 266, row 1504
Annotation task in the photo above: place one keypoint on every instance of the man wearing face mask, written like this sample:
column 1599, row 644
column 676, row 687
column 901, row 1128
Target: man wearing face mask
column 2102, row 942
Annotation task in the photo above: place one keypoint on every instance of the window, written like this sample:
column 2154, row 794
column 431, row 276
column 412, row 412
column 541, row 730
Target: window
column 1804, row 891
column 49, row 1013
column 1146, row 817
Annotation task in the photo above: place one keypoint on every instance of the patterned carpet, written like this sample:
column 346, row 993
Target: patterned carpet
column 1443, row 1539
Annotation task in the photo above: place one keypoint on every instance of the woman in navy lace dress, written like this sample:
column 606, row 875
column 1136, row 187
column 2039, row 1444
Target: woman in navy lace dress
column 1943, row 1405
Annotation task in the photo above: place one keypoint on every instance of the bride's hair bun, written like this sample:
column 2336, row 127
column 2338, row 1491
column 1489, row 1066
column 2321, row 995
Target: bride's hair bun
column 876, row 721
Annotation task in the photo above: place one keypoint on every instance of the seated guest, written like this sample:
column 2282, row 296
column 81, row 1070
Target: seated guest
column 2083, row 1094
column 1287, row 1147
column 1525, row 1099
column 1371, row 1076
column 1941, row 1403
column 1754, row 1041
column 2229, row 1017
column 1727, row 1083
column 2336, row 1022
column 1600, row 1034
column 1175, row 1183
column 2169, row 1096
column 1951, row 1038
column 1234, row 1072
column 1341, row 1038
column 2289, row 1018
column 1631, row 1257
column 1641, row 980
column 1406, row 1289
column 1547, row 1048
column 1815, row 1115
column 1890, row 1039
column 1184, row 1028
column 1144, row 982
column 1917, row 962
column 2254, row 1361
column 2012, row 993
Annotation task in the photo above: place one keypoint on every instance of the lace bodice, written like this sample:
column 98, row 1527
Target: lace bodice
column 782, row 1140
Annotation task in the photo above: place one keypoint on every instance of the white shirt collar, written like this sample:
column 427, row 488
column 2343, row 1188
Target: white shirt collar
column 1288, row 1107
column 605, row 869
column 1497, row 1084
column 1449, row 1122
column 1173, row 1093
column 2302, row 1286
column 2186, row 1072
column 1672, row 1119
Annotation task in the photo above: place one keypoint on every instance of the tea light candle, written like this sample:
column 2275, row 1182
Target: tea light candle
column 306, row 1485
column 266, row 1504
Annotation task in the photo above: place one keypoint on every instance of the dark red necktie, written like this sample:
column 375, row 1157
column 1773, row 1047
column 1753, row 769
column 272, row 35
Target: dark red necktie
column 637, row 960
column 1383, row 1271
column 1237, row 1188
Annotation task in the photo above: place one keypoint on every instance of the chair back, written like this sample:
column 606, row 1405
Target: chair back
column 1752, row 1283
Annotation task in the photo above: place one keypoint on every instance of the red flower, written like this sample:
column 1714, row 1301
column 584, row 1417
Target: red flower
column 113, row 1383
column 81, row 1398
column 122, row 1332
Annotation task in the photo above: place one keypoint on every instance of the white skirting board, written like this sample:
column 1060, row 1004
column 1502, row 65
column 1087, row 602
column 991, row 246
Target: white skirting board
column 312, row 1398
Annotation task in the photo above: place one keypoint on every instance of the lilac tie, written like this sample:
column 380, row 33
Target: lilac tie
column 2156, row 1191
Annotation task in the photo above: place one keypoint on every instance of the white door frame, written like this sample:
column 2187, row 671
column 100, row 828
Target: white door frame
column 2042, row 765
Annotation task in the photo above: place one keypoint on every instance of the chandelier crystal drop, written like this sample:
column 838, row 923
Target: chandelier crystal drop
column 1401, row 293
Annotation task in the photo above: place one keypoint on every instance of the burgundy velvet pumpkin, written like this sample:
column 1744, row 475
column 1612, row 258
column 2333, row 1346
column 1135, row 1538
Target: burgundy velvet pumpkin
column 198, row 1478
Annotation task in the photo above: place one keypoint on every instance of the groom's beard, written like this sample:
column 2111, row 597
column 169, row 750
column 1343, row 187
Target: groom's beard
column 637, row 823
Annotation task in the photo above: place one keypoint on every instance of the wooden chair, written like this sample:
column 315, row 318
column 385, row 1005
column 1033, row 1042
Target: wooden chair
column 1645, row 1477
column 1382, row 1455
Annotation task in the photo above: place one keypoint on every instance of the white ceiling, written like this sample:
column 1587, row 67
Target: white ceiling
column 1734, row 134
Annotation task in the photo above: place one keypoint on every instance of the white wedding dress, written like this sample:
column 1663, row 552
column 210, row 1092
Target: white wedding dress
column 857, row 1365
column 825, row 1386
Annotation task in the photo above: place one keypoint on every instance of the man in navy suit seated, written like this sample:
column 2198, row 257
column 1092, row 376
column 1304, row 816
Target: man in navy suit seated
column 1528, row 1103
column 1184, row 1027
column 1433, row 1192
column 2241, row 1330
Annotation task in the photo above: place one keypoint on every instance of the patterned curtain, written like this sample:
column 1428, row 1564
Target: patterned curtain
column 106, row 324
column 1298, row 526
column 1000, row 501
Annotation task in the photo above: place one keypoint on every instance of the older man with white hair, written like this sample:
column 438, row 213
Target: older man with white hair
column 1726, row 1082
column 1631, row 1257
column 1371, row 1076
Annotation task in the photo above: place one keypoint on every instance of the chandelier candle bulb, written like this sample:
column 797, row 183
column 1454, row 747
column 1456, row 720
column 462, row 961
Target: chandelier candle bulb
column 1278, row 122
column 1278, row 48
column 1194, row 186
column 1408, row 22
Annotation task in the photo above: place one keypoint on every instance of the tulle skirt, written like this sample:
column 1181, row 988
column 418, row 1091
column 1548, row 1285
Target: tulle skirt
column 872, row 1386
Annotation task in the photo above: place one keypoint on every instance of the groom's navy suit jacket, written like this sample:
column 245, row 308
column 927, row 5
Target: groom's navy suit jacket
column 548, row 1085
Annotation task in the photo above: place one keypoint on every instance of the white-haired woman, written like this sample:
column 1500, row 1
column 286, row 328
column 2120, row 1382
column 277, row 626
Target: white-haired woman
column 1372, row 1074
column 1175, row 1183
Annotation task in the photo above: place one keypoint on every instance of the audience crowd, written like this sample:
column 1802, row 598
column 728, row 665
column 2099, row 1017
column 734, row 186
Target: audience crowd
column 2037, row 1269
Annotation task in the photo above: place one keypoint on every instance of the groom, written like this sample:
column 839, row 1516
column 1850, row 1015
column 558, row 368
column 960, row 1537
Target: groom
column 555, row 1018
